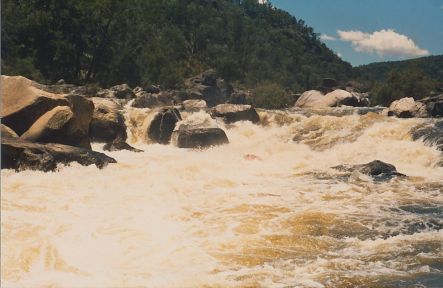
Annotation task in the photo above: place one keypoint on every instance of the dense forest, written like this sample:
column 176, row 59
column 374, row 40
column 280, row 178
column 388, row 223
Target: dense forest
column 163, row 41
column 139, row 42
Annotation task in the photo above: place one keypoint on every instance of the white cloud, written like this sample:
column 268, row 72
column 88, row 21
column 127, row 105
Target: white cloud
column 383, row 42
column 325, row 37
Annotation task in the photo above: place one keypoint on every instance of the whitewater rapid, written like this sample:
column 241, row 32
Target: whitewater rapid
column 262, row 211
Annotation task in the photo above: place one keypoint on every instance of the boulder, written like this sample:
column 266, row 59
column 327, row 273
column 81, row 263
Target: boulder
column 199, row 137
column 209, row 87
column 308, row 98
column 122, row 91
column 160, row 123
column 194, row 105
column 138, row 90
column 107, row 122
column 50, row 127
column 148, row 100
column 232, row 113
column 407, row 108
column 21, row 155
column 23, row 102
column 434, row 105
column 7, row 132
column 377, row 169
column 431, row 134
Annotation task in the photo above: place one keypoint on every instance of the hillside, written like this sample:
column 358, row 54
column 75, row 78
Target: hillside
column 432, row 66
column 140, row 42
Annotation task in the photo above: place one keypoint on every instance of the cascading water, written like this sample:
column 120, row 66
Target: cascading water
column 265, row 210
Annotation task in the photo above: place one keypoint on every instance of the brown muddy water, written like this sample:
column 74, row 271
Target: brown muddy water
column 220, row 217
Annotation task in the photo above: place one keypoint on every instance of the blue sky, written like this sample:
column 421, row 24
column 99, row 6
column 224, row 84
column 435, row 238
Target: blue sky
column 365, row 31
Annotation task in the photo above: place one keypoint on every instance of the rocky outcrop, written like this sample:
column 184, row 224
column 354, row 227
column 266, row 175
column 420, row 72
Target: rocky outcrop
column 336, row 98
column 160, row 123
column 209, row 87
column 21, row 155
column 107, row 123
column 377, row 169
column 434, row 105
column 308, row 99
column 7, row 132
column 407, row 108
column 238, row 97
column 23, row 102
column 232, row 113
column 199, row 137
column 431, row 134
column 149, row 100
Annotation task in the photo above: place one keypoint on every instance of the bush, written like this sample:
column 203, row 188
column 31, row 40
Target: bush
column 271, row 95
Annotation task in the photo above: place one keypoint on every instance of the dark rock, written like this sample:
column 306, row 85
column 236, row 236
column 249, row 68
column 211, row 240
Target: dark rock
column 329, row 83
column 161, row 123
column 148, row 100
column 107, row 123
column 434, row 105
column 118, row 145
column 209, row 87
column 232, row 113
column 431, row 134
column 377, row 169
column 238, row 97
column 153, row 89
column 199, row 137
column 21, row 155
column 137, row 90
column 7, row 132
column 122, row 91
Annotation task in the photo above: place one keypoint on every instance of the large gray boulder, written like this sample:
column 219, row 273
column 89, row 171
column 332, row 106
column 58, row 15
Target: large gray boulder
column 232, row 113
column 308, row 99
column 186, row 137
column 107, row 124
column 407, row 108
column 23, row 102
column 21, row 155
column 49, row 126
column 160, row 123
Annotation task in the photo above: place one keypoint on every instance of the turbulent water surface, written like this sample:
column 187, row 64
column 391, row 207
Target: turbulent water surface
column 263, row 211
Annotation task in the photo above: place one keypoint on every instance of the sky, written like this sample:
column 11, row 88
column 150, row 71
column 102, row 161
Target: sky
column 366, row 31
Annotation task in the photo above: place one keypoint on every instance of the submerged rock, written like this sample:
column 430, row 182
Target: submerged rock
column 232, row 113
column 199, row 137
column 377, row 169
column 21, row 155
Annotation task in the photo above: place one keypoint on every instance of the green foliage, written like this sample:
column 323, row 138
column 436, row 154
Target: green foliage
column 272, row 96
column 408, row 82
column 162, row 42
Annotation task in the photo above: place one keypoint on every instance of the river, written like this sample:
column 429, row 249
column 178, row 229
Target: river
column 262, row 211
